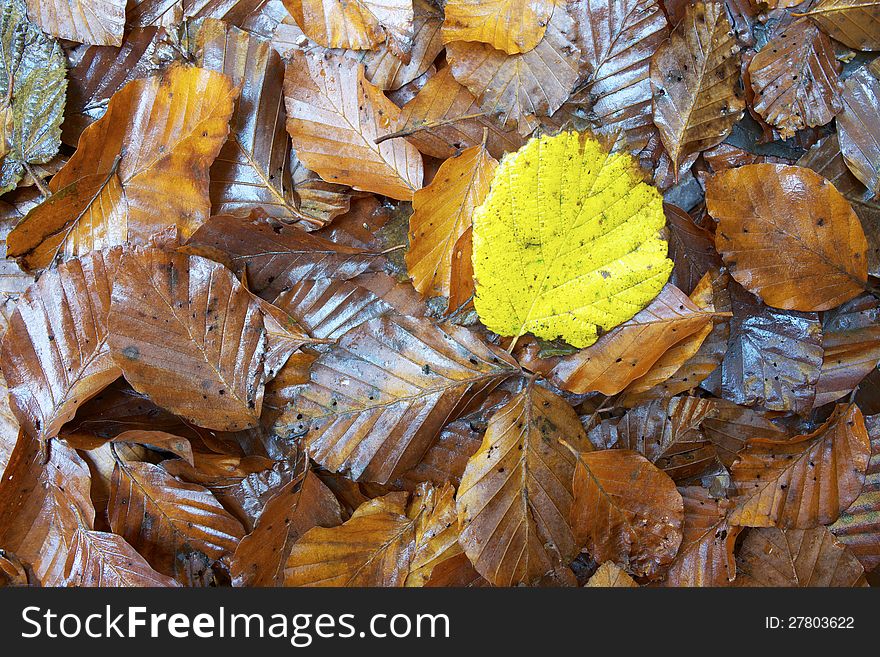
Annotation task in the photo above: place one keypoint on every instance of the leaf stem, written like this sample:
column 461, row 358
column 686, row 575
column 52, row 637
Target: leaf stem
column 39, row 182
column 427, row 125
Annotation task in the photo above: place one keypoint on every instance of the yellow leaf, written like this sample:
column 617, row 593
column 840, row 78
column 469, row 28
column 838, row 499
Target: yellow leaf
column 567, row 241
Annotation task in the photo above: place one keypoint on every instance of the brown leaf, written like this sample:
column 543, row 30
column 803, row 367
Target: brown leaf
column 274, row 257
column 805, row 481
column 412, row 378
column 98, row 22
column 796, row 79
column 694, row 80
column 853, row 22
column 167, row 442
column 377, row 546
column 859, row 123
column 628, row 351
column 436, row 532
column 796, row 557
column 859, row 526
column 731, row 426
column 171, row 523
column 296, row 508
column 334, row 117
column 826, row 159
column 55, row 354
column 107, row 560
column 253, row 167
column 187, row 334
column 691, row 248
column 706, row 554
column 788, row 236
column 626, row 510
column 358, row 25
column 667, row 433
column 444, row 118
column 442, row 214
column 456, row 572
column 610, row 575
column 518, row 89
column 851, row 344
column 514, row 26
column 515, row 496
column 151, row 150
column 617, row 39
column 44, row 502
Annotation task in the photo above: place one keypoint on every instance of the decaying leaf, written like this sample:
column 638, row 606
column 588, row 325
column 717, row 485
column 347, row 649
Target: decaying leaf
column 805, row 481
column 513, row 26
column 32, row 86
column 796, row 557
column 515, row 496
column 858, row 123
column 413, row 377
column 694, row 81
column 788, row 236
column 626, row 510
column 151, row 150
column 98, row 22
column 335, row 116
column 610, row 575
column 581, row 244
column 796, row 79
column 853, row 22
column 188, row 335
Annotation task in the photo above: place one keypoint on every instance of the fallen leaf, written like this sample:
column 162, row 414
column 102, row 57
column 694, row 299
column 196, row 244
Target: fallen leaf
column 55, row 353
column 810, row 256
column 515, row 496
column 730, row 427
column 859, row 526
column 796, row 79
column 334, row 117
column 436, row 531
column 617, row 39
column 796, row 557
column 629, row 351
column 706, row 554
column 691, row 248
column 413, row 377
column 32, row 87
column 300, row 505
column 694, row 79
column 610, row 575
column 514, row 26
column 857, row 125
column 550, row 253
column 442, row 215
column 171, row 523
column 626, row 510
column 109, row 193
column 518, row 89
column 806, row 481
column 853, row 22
column 98, row 22
column 188, row 335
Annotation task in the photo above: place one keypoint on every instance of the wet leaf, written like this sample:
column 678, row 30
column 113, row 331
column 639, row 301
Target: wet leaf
column 513, row 26
column 796, row 79
column 626, row 510
column 694, row 79
column 412, row 378
column 610, row 575
column 853, row 22
column 805, row 481
column 810, row 256
column 98, row 22
column 188, row 335
column 442, row 220
column 334, row 117
column 796, row 557
column 566, row 267
column 104, row 559
column 109, row 193
column 515, row 496
column 32, row 87
column 691, row 248
column 857, row 125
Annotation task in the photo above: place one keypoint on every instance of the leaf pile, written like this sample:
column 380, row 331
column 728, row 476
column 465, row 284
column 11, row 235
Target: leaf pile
column 416, row 293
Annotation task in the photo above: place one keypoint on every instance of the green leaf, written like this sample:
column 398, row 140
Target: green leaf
column 567, row 241
column 32, row 87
